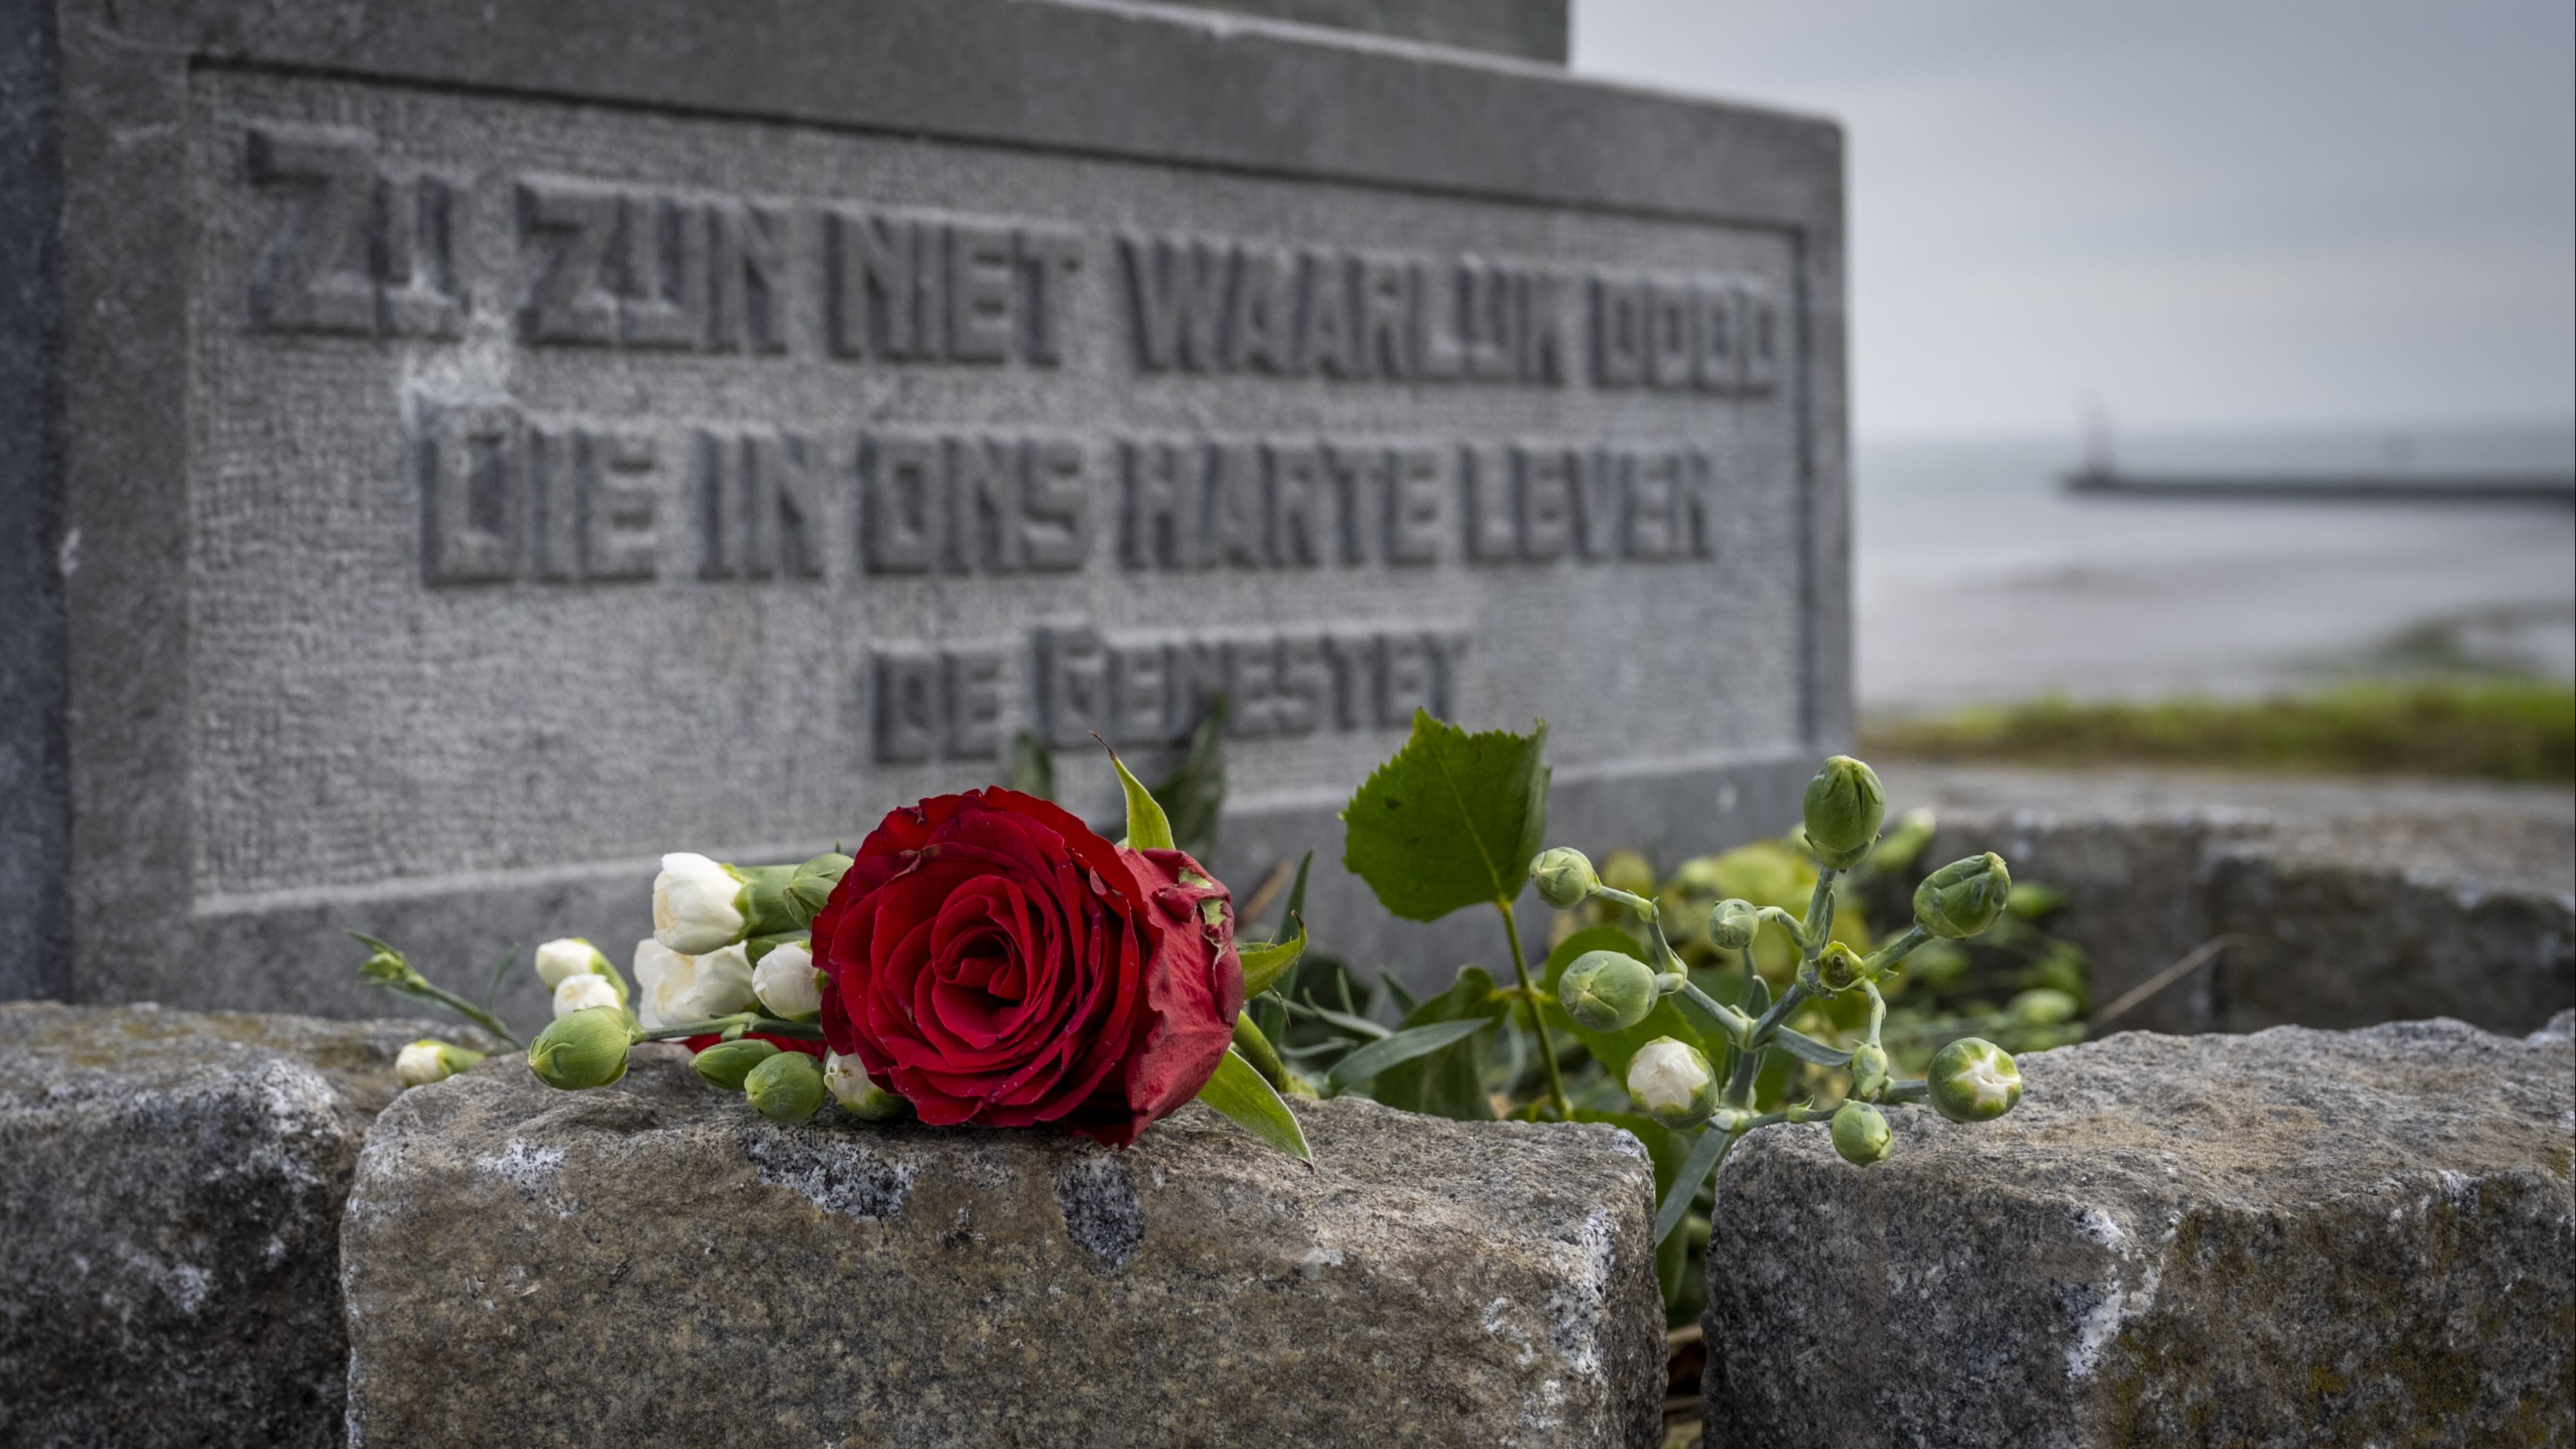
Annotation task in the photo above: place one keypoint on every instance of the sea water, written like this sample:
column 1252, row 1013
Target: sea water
column 1978, row 578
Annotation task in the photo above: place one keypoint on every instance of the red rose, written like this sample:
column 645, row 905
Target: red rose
column 995, row 962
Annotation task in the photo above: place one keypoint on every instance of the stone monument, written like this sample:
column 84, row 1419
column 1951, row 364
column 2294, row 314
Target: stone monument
column 450, row 454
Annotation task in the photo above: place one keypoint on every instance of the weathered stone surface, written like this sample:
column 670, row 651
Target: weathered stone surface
column 170, row 1194
column 2345, row 903
column 652, row 1263
column 2291, row 1238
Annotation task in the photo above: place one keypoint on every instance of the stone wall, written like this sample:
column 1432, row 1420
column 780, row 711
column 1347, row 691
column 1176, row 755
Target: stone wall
column 2340, row 904
column 171, row 1187
column 2294, row 1237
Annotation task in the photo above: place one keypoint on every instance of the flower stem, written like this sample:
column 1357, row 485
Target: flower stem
column 1256, row 1049
column 1538, row 1019
column 421, row 988
column 748, row 1022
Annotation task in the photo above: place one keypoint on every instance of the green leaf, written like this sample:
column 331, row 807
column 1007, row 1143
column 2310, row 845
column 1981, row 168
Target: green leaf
column 1032, row 766
column 1452, row 820
column 1367, row 1029
column 1449, row 1082
column 1704, row 1157
column 1238, row 1091
column 1295, row 910
column 1148, row 828
column 1402, row 1047
column 1404, row 1000
column 1195, row 790
column 1612, row 1048
column 1264, row 962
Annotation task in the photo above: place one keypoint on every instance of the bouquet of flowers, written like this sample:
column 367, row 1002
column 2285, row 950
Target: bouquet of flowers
column 982, row 959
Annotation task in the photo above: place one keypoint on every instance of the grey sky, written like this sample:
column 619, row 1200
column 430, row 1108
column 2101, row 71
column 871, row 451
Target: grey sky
column 2212, row 213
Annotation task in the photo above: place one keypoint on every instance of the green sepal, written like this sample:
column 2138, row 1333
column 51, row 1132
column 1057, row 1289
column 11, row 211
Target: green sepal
column 1264, row 962
column 766, row 910
column 1239, row 1093
column 1148, row 828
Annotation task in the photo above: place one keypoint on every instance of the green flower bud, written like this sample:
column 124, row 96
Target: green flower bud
column 810, row 885
column 1964, row 897
column 1673, row 1082
column 1869, row 1071
column 1732, row 924
column 787, row 1087
column 1607, row 990
column 583, row 1049
column 1973, row 1080
column 728, row 1062
column 1845, row 804
column 1564, row 877
column 1860, row 1133
column 2042, row 1006
column 430, row 1060
column 1839, row 967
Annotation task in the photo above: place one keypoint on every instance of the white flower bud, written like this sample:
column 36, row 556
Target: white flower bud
column 784, row 981
column 581, row 992
column 429, row 1060
column 569, row 956
column 675, row 988
column 697, row 904
column 1672, row 1081
column 848, row 1083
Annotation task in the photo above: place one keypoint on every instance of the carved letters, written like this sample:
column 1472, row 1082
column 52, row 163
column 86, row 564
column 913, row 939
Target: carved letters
column 505, row 496
column 364, row 247
column 1213, row 305
column 509, row 497
column 356, row 246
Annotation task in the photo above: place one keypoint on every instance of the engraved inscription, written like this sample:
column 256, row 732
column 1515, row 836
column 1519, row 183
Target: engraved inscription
column 357, row 248
column 873, row 502
column 1705, row 334
column 512, row 496
column 1213, row 305
column 362, row 246
column 910, row 288
column 505, row 497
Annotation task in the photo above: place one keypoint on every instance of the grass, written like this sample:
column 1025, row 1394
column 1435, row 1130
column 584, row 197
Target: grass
column 2496, row 729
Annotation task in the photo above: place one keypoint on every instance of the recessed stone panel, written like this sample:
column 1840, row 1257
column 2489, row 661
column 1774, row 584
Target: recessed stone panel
column 571, row 449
